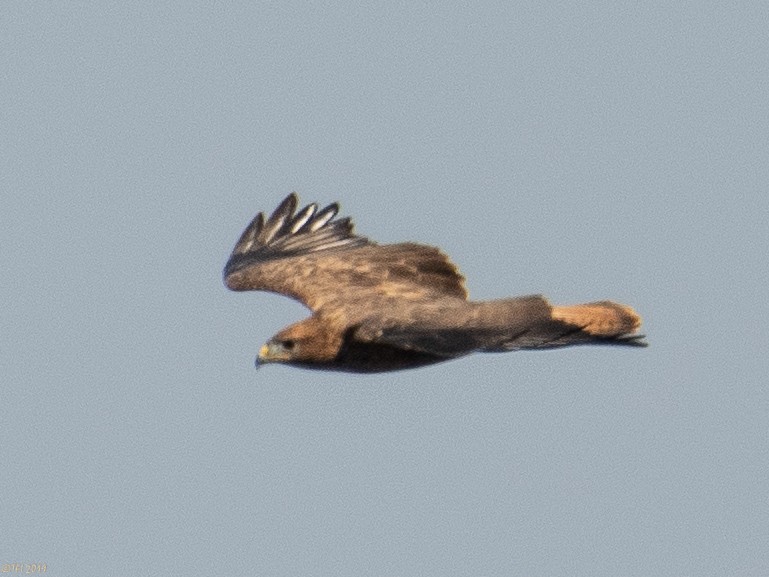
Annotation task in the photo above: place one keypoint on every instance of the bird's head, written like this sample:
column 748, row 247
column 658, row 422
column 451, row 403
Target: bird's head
column 310, row 342
column 276, row 351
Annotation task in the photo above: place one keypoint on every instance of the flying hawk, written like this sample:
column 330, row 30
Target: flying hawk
column 382, row 308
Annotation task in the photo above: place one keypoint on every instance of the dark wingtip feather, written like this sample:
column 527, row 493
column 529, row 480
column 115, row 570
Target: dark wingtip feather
column 301, row 219
column 324, row 216
column 287, row 206
column 246, row 239
column 288, row 233
column 278, row 220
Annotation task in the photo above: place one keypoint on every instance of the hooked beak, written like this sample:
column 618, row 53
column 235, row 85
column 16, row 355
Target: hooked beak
column 262, row 357
column 270, row 353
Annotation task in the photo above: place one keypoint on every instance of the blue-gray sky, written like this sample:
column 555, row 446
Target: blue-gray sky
column 586, row 151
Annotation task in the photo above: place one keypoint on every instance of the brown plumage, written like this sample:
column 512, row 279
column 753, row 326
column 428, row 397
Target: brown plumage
column 389, row 307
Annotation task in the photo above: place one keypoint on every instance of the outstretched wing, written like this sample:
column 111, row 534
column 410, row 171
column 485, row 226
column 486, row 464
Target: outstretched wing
column 317, row 259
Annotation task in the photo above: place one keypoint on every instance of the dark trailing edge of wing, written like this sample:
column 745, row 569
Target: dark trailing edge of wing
column 286, row 234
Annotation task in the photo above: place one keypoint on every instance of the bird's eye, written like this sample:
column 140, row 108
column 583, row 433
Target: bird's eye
column 288, row 344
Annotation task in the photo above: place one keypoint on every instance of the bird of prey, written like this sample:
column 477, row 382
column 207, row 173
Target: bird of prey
column 379, row 308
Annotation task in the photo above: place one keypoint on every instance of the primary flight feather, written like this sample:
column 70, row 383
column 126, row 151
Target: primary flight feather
column 389, row 307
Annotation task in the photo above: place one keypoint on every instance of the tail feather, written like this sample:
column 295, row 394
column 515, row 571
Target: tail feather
column 597, row 323
column 600, row 319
